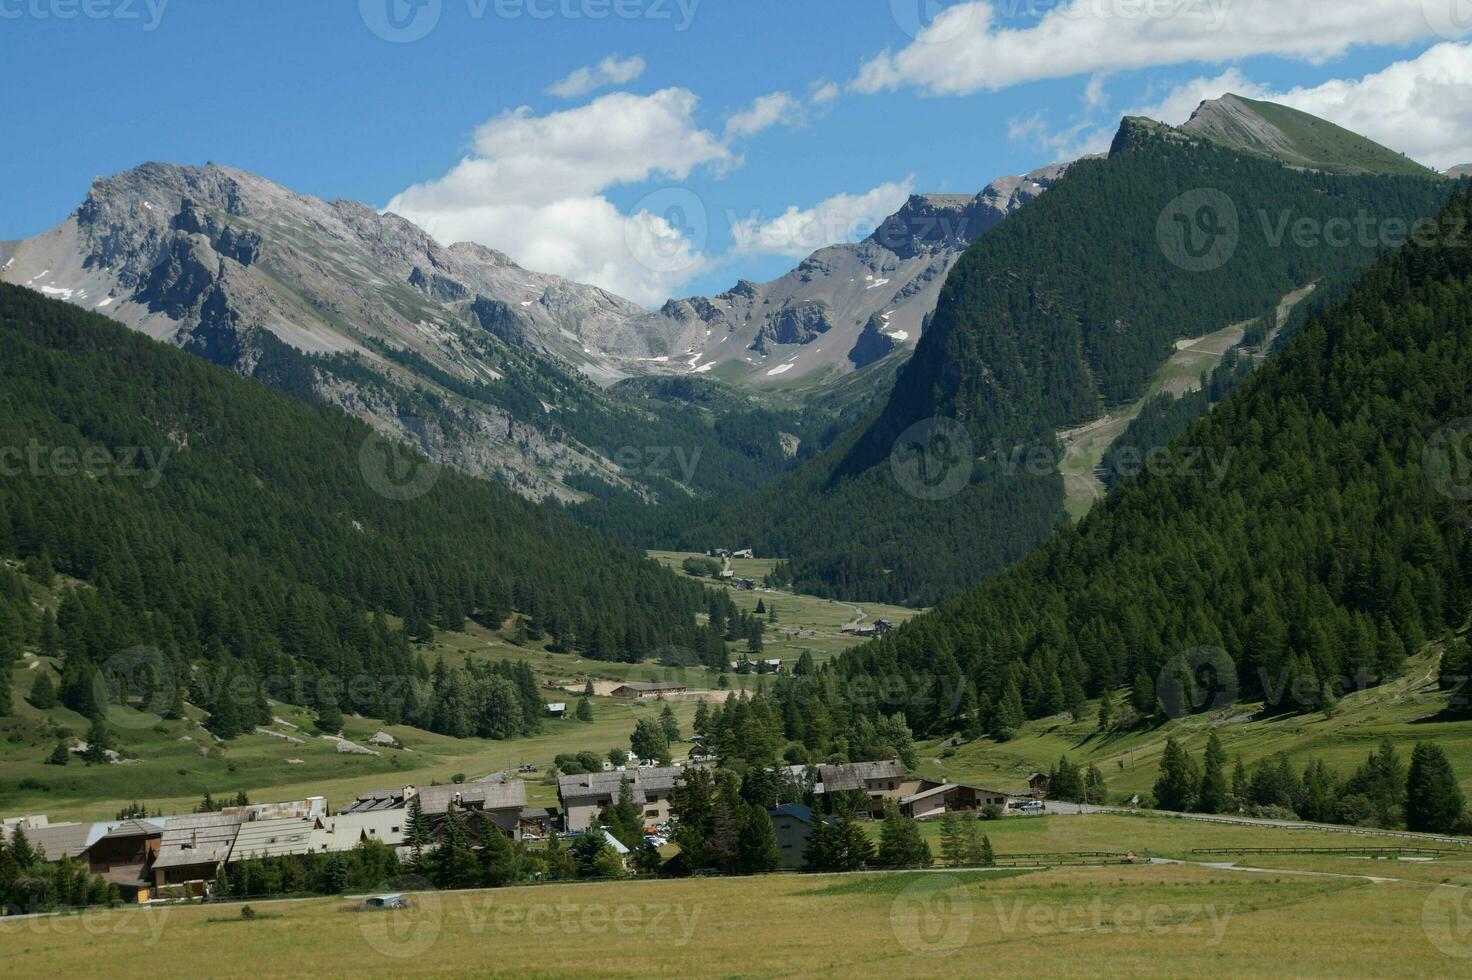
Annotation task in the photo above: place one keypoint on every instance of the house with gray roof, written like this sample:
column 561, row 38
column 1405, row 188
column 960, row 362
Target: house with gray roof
column 586, row 795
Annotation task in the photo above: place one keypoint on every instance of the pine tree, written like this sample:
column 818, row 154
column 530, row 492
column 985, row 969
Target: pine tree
column 758, row 848
column 1434, row 801
column 1176, row 787
column 59, row 756
column 988, row 856
column 1106, row 710
column 584, row 712
column 329, row 716
column 669, row 724
column 1240, row 786
column 499, row 858
column 416, row 833
column 952, row 841
column 1213, row 797
column 43, row 692
column 900, row 842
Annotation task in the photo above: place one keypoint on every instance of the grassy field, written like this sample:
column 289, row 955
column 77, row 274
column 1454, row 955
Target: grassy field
column 178, row 761
column 1138, row 920
column 803, row 622
column 1406, row 711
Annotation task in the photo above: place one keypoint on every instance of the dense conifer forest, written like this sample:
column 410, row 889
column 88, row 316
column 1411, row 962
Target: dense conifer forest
column 177, row 507
column 1337, row 542
column 1051, row 319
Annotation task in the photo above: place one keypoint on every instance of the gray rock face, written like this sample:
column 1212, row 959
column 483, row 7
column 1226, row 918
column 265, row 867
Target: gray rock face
column 1465, row 170
column 227, row 264
column 841, row 309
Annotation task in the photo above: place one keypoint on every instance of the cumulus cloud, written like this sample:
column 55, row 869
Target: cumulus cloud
column 609, row 71
column 965, row 49
column 824, row 92
column 776, row 109
column 533, row 186
column 798, row 232
column 1421, row 107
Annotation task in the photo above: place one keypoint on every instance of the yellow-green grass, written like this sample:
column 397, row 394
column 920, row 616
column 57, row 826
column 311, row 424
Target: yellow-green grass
column 172, row 774
column 1152, row 835
column 804, row 622
column 1406, row 711
column 1129, row 921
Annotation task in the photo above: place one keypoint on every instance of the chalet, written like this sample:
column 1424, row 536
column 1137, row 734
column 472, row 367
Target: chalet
column 794, row 825
column 586, row 795
column 59, row 840
column 193, row 847
column 653, row 691
column 124, row 854
column 879, row 781
column 344, row 832
column 274, row 838
column 1037, row 784
column 501, row 801
column 934, row 799
column 880, row 627
column 557, row 709
column 743, row 553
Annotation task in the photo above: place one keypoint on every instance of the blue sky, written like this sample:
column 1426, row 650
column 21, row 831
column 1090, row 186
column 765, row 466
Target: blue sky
column 923, row 95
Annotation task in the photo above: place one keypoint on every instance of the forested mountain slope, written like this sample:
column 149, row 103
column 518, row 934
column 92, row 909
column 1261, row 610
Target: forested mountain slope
column 1337, row 541
column 221, row 522
column 1054, row 317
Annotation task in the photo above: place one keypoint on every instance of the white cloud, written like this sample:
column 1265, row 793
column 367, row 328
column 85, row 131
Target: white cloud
column 609, row 71
column 964, row 49
column 798, row 233
column 776, row 109
column 1421, row 107
column 534, row 187
column 824, row 92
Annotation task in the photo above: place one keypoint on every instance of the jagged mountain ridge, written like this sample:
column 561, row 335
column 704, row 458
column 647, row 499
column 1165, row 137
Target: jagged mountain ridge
column 246, row 273
column 843, row 308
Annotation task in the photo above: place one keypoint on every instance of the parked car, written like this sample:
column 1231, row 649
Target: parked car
column 1036, row 806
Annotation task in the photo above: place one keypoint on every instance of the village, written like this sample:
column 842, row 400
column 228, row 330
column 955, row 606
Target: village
column 164, row 858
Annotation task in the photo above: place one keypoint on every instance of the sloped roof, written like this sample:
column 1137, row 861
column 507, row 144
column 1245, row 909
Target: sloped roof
column 855, row 775
column 344, row 831
column 198, row 838
column 490, row 796
column 134, row 828
column 58, row 840
column 795, row 810
column 269, row 838
column 599, row 784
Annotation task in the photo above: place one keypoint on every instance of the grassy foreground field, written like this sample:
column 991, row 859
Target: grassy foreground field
column 1150, row 920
